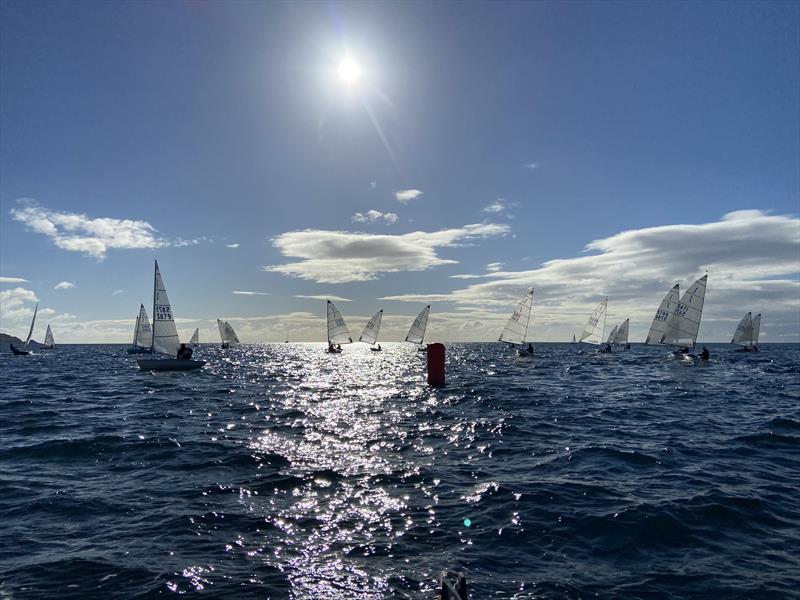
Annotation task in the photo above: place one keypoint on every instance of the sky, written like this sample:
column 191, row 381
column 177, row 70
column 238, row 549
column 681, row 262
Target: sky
column 466, row 152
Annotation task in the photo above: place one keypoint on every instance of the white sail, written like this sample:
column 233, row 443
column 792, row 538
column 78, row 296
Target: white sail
column 417, row 331
column 33, row 322
column 744, row 331
column 622, row 333
column 684, row 322
column 195, row 337
column 595, row 326
column 143, row 336
column 165, row 336
column 612, row 336
column 373, row 327
column 48, row 338
column 756, row 329
column 516, row 330
column 222, row 332
column 660, row 321
column 337, row 329
column 230, row 334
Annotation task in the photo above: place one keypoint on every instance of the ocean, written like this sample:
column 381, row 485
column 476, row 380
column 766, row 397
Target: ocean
column 279, row 471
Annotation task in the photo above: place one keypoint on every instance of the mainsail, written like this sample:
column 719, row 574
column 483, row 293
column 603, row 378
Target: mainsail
column 621, row 336
column 756, row 329
column 417, row 332
column 195, row 337
column 744, row 331
column 684, row 322
column 595, row 326
column 337, row 329
column 165, row 335
column 33, row 322
column 370, row 333
column 612, row 336
column 226, row 333
column 143, row 334
column 516, row 329
column 660, row 321
column 49, row 342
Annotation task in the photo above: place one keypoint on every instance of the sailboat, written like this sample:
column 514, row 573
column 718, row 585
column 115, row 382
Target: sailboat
column 142, row 334
column 164, row 338
column 659, row 326
column 416, row 334
column 227, row 334
column 370, row 333
column 49, row 342
column 195, row 337
column 17, row 352
column 516, row 329
column 573, row 338
column 681, row 324
column 338, row 333
column 594, row 330
column 747, row 333
column 620, row 334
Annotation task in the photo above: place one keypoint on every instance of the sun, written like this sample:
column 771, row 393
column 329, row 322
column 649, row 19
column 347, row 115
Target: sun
column 349, row 71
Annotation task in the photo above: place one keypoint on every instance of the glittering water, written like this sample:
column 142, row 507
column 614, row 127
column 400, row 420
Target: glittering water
column 280, row 471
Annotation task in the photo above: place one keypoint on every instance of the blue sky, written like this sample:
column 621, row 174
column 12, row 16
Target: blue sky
column 529, row 129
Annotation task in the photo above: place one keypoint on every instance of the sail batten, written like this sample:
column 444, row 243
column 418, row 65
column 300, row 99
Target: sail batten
column 416, row 334
column 516, row 329
column 595, row 326
column 165, row 335
column 371, row 330
column 338, row 333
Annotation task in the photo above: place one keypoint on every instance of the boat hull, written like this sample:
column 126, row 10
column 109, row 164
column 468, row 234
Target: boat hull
column 139, row 350
column 169, row 364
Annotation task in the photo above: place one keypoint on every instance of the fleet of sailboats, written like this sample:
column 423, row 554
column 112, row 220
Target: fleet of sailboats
column 227, row 334
column 416, row 334
column 516, row 330
column 371, row 331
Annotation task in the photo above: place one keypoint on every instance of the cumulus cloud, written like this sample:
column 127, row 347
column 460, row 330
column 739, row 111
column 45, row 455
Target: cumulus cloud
column 406, row 196
column 64, row 285
column 13, row 280
column 371, row 216
column 232, row 246
column 80, row 233
column 13, row 303
column 343, row 256
column 751, row 257
column 323, row 297
column 246, row 293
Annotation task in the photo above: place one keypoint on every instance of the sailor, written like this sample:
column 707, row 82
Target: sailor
column 184, row 352
column 704, row 354
column 530, row 348
column 379, row 346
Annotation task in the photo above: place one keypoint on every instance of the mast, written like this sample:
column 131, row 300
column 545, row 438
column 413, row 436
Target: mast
column 153, row 328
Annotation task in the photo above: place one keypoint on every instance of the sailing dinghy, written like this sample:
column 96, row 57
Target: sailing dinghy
column 26, row 352
column 620, row 334
column 227, row 334
column 142, row 334
column 595, row 327
column 416, row 334
column 370, row 333
column 49, row 341
column 195, row 337
column 516, row 329
column 164, row 338
column 677, row 324
column 747, row 333
column 338, row 333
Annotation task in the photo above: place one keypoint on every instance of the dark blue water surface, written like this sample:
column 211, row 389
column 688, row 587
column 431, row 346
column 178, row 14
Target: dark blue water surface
column 279, row 471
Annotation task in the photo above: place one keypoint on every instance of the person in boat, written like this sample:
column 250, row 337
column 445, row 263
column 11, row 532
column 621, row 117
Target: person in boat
column 704, row 354
column 529, row 349
column 627, row 346
column 338, row 347
column 379, row 347
column 184, row 352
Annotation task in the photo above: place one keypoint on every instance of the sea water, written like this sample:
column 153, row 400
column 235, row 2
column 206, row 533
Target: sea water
column 280, row 471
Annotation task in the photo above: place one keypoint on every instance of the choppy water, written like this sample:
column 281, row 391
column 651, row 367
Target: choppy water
column 283, row 472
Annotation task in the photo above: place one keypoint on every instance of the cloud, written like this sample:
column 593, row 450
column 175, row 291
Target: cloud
column 64, row 285
column 497, row 206
column 343, row 256
column 117, row 292
column 13, row 301
column 245, row 293
column 13, row 280
column 493, row 267
column 751, row 257
column 324, row 297
column 532, row 165
column 406, row 196
column 232, row 246
column 80, row 233
column 467, row 276
column 374, row 215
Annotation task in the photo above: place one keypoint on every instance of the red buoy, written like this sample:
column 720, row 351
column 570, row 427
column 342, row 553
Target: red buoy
column 436, row 365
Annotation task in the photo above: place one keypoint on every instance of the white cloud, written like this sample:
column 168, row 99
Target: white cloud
column 13, row 301
column 406, row 196
column 467, row 276
column 371, row 216
column 343, row 256
column 13, row 280
column 246, row 293
column 80, row 233
column 493, row 267
column 497, row 206
column 532, row 165
column 749, row 255
column 324, row 297
column 232, row 246
column 117, row 292
column 64, row 285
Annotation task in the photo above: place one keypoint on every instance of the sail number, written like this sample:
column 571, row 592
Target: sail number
column 338, row 322
column 681, row 310
column 163, row 313
column 661, row 315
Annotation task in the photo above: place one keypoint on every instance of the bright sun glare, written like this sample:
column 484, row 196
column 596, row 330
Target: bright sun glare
column 349, row 71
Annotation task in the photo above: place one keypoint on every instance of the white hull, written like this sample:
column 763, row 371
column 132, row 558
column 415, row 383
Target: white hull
column 169, row 364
